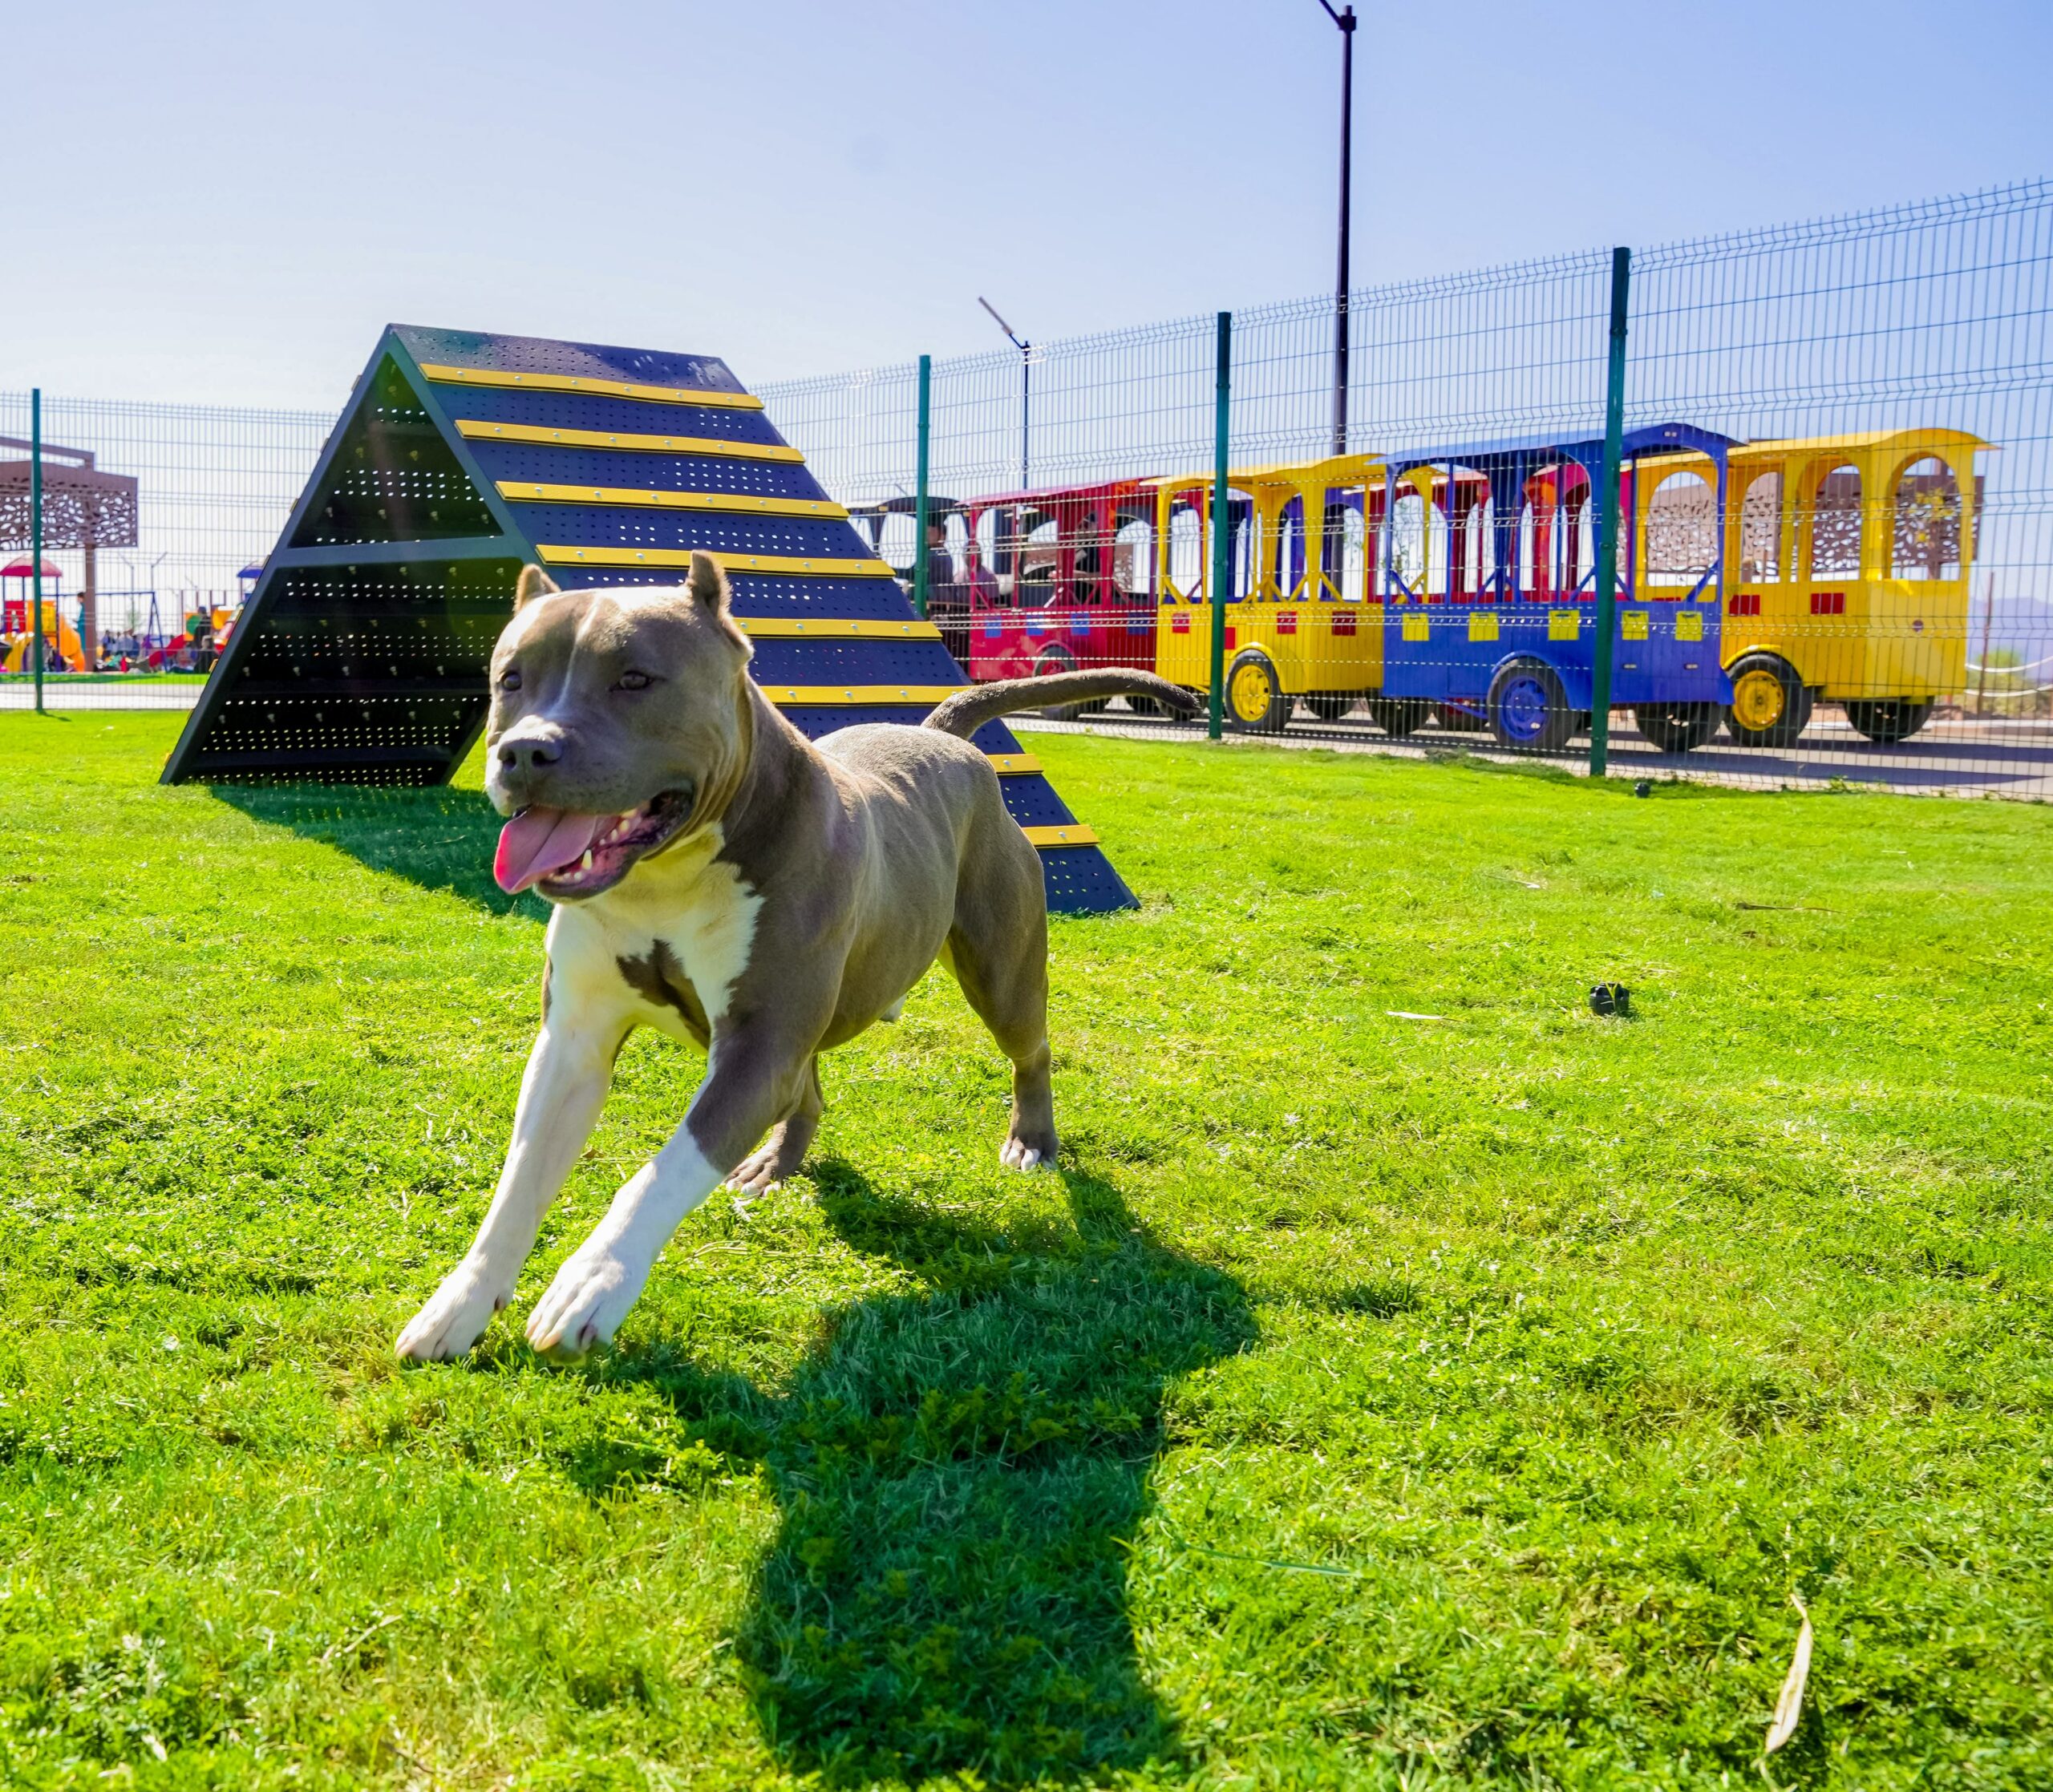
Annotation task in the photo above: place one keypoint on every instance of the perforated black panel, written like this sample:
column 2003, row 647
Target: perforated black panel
column 647, row 472
column 393, row 478
column 1080, row 881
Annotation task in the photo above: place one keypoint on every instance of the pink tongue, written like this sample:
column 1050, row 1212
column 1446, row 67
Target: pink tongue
column 538, row 841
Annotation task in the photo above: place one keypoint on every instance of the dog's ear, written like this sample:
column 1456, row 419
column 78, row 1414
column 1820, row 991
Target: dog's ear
column 533, row 582
column 706, row 591
column 707, row 586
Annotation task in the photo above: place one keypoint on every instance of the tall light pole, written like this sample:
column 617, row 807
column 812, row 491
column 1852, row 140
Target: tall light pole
column 1026, row 364
column 1345, row 20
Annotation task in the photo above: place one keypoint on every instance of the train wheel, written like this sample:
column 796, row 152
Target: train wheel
column 1399, row 716
column 1255, row 702
column 1527, row 707
column 1677, row 727
column 1889, row 719
column 1330, row 706
column 1770, row 706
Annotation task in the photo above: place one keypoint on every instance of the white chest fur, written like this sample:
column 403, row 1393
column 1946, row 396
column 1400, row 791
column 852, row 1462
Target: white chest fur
column 693, row 905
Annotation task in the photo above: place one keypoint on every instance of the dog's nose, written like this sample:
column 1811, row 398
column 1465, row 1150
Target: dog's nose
column 530, row 753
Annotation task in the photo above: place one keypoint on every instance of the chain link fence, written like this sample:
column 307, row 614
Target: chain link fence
column 1832, row 557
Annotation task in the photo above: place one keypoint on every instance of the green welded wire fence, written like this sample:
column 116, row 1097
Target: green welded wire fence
column 1865, row 554
column 1867, row 551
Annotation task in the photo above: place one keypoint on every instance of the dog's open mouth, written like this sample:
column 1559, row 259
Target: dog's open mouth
column 566, row 855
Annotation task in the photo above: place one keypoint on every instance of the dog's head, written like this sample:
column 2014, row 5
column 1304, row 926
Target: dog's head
column 620, row 723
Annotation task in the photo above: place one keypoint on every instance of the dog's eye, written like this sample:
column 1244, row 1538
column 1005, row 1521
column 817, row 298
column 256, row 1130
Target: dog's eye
column 633, row 681
column 510, row 678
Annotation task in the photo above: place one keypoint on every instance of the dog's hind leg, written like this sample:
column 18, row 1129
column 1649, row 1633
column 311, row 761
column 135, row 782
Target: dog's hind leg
column 782, row 1153
column 999, row 952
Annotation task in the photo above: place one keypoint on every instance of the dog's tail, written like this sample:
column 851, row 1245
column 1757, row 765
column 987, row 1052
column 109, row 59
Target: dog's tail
column 968, row 710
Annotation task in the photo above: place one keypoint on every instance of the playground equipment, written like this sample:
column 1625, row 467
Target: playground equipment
column 59, row 636
column 361, row 656
column 83, row 510
column 1853, row 554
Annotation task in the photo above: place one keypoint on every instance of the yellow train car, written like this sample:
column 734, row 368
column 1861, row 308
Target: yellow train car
column 1850, row 558
column 1300, row 622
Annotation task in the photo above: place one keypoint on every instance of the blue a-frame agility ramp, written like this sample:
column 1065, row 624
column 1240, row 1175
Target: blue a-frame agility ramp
column 361, row 656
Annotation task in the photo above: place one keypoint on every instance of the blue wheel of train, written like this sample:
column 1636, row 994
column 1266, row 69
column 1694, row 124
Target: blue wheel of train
column 1527, row 707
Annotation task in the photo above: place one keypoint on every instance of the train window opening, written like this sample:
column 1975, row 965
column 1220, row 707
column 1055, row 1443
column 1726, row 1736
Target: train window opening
column 1086, row 536
column 1133, row 557
column 897, row 540
column 1040, row 557
column 1760, row 529
column 994, row 550
column 1924, row 537
column 1286, row 569
column 1417, row 545
column 1835, row 525
column 1187, row 550
column 1475, row 536
column 1681, row 532
column 1346, row 557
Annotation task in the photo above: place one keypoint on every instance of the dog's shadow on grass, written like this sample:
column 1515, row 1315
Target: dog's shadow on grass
column 438, row 837
column 962, row 1471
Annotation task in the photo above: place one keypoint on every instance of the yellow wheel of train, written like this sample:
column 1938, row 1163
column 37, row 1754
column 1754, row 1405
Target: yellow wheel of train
column 1255, row 702
column 1769, row 705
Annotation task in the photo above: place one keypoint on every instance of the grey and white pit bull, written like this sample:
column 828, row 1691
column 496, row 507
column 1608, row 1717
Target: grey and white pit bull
column 716, row 875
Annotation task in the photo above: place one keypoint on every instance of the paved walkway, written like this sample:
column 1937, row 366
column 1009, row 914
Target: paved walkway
column 1962, row 757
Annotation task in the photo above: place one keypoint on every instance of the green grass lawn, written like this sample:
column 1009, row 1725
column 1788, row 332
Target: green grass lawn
column 1369, row 1401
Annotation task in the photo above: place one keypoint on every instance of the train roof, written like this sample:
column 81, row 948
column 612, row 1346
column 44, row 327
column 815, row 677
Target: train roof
column 1870, row 439
column 1130, row 483
column 1671, row 438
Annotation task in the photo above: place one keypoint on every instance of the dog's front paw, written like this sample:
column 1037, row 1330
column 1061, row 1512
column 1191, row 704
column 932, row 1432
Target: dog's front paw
column 586, row 1302
column 455, row 1316
column 1022, row 1154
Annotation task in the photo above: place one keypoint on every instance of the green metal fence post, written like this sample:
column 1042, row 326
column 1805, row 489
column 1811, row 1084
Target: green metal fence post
column 35, row 537
column 1222, row 549
column 1607, row 519
column 920, row 490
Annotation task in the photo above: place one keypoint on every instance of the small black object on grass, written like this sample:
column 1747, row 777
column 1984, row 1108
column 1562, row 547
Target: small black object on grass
column 1611, row 998
column 1644, row 787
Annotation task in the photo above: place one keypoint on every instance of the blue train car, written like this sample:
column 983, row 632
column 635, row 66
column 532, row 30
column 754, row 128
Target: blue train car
column 1486, row 563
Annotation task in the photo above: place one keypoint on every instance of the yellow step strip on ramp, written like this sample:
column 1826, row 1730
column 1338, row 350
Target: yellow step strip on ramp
column 803, row 697
column 626, row 440
column 826, row 627
column 1070, row 833
column 603, row 388
column 1012, row 765
column 817, row 565
column 525, row 491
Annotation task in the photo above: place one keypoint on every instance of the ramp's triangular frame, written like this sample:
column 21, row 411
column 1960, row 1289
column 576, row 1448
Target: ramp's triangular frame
column 362, row 655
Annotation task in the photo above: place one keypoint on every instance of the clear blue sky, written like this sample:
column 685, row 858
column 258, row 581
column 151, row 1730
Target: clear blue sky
column 224, row 203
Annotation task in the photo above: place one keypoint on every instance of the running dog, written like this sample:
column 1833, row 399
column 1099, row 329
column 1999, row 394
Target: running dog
column 715, row 874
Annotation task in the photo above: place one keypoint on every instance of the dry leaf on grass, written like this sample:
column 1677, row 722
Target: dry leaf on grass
column 1790, row 1706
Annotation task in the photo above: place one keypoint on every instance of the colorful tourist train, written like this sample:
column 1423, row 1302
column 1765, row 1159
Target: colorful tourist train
column 1457, row 581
